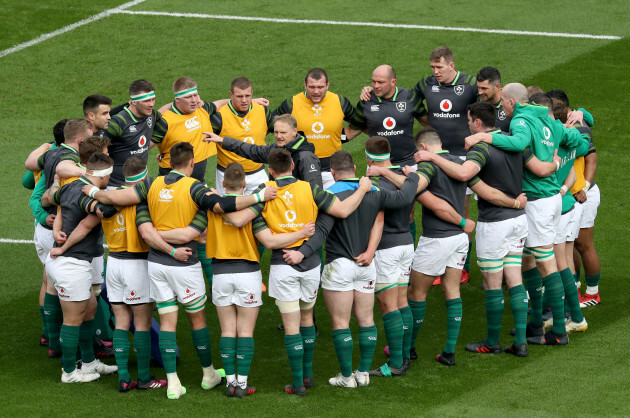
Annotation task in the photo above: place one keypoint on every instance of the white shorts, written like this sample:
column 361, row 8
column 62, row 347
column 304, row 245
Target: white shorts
column 566, row 227
column 128, row 281
column 185, row 282
column 589, row 208
column 242, row 289
column 327, row 179
column 393, row 265
column 496, row 239
column 44, row 241
column 98, row 270
column 433, row 255
column 287, row 284
column 343, row 275
column 252, row 181
column 575, row 232
column 543, row 218
column 71, row 277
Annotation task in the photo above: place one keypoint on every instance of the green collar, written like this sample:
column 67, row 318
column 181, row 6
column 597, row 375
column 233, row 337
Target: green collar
column 393, row 98
column 452, row 82
column 236, row 111
column 179, row 172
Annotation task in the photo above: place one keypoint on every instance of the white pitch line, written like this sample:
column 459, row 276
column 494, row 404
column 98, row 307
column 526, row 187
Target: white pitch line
column 372, row 24
column 15, row 241
column 68, row 28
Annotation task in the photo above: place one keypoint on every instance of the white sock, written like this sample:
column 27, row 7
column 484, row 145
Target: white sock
column 242, row 381
column 592, row 290
column 173, row 380
column 230, row 378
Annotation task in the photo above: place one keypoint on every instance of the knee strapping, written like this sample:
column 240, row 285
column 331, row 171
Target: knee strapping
column 542, row 254
column 515, row 260
column 305, row 306
column 167, row 306
column 490, row 265
column 288, row 307
column 96, row 288
column 379, row 287
column 196, row 305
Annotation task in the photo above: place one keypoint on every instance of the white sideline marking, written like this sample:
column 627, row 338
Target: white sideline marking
column 68, row 28
column 373, row 24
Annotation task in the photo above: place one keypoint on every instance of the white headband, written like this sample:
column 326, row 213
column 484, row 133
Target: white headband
column 100, row 173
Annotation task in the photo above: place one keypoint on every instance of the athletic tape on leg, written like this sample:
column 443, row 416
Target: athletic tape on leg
column 515, row 260
column 288, row 307
column 196, row 305
column 542, row 254
column 490, row 265
column 167, row 306
column 305, row 306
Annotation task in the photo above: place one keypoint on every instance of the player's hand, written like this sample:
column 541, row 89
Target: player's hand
column 86, row 189
column 292, row 257
column 374, row 170
column 50, row 219
column 365, row 183
column 575, row 116
column 159, row 157
column 261, row 101
column 556, row 159
column 212, row 191
column 423, row 156
column 308, row 230
column 56, row 252
column 182, row 254
column 469, row 227
column 270, row 193
column 475, row 139
column 522, row 200
column 60, row 237
column 212, row 137
column 366, row 92
column 580, row 196
column 408, row 170
column 364, row 259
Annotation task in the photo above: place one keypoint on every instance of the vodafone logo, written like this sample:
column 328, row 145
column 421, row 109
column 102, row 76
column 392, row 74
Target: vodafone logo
column 389, row 123
column 546, row 132
column 142, row 141
column 249, row 140
column 318, row 127
column 446, row 105
column 120, row 219
column 290, row 215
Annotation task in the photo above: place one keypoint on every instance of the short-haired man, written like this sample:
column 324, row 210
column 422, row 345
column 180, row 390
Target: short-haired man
column 532, row 127
column 295, row 286
column 176, row 201
column 489, row 86
column 70, row 272
column 285, row 130
column 501, row 230
column 185, row 120
column 320, row 114
column 96, row 110
column 237, row 283
column 246, row 121
column 131, row 129
column 349, row 276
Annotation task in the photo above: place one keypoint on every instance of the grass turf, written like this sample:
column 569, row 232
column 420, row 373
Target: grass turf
column 48, row 81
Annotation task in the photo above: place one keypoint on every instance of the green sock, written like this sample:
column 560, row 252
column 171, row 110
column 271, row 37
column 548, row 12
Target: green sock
column 201, row 341
column 467, row 262
column 571, row 295
column 227, row 346
column 392, row 322
column 69, row 340
column 86, row 341
column 54, row 318
column 367, row 345
column 592, row 280
column 494, row 314
column 244, row 354
column 412, row 229
column 407, row 319
column 518, row 302
column 546, row 303
column 553, row 285
column 142, row 348
column 295, row 352
column 418, row 310
column 453, row 323
column 308, row 341
column 43, row 318
column 206, row 263
column 342, row 339
column 121, row 352
column 533, row 280
column 168, row 349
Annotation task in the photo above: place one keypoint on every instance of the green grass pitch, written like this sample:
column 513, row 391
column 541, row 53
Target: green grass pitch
column 48, row 81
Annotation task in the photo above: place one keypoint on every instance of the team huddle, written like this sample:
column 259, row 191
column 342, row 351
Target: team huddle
column 525, row 155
